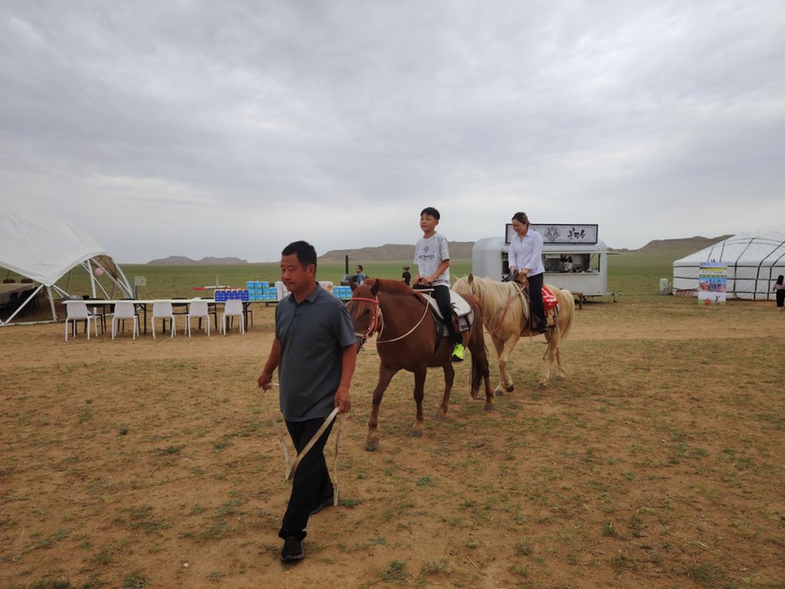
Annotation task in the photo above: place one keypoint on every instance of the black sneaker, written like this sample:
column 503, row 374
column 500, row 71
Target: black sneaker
column 322, row 505
column 543, row 328
column 292, row 549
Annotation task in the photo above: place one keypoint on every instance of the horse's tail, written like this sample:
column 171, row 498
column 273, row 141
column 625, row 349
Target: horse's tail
column 568, row 302
column 479, row 351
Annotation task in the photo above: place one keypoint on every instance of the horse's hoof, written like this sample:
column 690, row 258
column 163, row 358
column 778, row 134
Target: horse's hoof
column 560, row 378
column 489, row 407
column 510, row 388
column 416, row 433
column 543, row 386
column 371, row 445
column 498, row 392
column 439, row 415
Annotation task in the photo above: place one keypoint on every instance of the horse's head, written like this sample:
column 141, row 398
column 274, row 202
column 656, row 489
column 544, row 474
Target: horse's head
column 364, row 310
column 467, row 286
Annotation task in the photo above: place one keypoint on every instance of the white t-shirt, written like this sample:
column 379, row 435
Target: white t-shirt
column 428, row 256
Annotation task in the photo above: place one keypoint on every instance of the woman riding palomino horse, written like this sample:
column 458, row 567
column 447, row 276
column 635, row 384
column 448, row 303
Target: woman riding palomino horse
column 408, row 340
column 505, row 311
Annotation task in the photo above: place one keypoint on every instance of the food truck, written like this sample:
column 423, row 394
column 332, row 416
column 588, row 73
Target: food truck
column 574, row 257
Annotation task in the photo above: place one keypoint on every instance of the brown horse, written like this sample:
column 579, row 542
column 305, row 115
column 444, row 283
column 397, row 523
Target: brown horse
column 408, row 340
column 506, row 315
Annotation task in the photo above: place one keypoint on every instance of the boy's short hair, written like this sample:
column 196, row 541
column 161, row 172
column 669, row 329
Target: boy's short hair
column 360, row 266
column 306, row 254
column 432, row 212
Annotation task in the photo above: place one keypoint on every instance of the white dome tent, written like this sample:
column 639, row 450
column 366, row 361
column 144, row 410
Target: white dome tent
column 39, row 244
column 754, row 263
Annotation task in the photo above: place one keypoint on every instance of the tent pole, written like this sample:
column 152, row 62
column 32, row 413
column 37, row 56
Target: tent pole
column 92, row 277
column 52, row 303
column 23, row 305
column 68, row 284
column 128, row 290
column 112, row 278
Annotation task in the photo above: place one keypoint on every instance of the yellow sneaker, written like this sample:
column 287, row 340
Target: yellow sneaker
column 457, row 353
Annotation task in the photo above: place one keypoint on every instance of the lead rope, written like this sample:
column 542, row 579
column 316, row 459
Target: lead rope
column 291, row 469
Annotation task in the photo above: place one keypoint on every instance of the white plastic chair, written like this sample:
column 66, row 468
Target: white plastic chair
column 163, row 310
column 197, row 309
column 233, row 308
column 123, row 311
column 77, row 311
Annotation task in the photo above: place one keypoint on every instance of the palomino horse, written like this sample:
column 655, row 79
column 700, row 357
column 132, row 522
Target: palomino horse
column 505, row 311
column 408, row 340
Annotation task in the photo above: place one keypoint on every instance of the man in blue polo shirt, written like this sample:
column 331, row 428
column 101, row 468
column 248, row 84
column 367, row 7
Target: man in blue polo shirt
column 315, row 352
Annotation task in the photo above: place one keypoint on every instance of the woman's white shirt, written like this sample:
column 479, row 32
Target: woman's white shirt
column 526, row 253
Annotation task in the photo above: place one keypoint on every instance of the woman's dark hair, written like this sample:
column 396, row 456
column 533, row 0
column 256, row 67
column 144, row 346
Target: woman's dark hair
column 780, row 279
column 432, row 212
column 521, row 218
column 306, row 254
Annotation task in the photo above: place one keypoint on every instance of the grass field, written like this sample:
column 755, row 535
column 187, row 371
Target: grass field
column 657, row 463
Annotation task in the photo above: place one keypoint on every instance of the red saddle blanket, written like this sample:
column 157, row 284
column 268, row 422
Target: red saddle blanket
column 549, row 299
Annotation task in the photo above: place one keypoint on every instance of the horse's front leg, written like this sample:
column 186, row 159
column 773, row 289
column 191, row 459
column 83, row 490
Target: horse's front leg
column 419, row 393
column 449, row 377
column 385, row 376
column 507, row 382
column 498, row 343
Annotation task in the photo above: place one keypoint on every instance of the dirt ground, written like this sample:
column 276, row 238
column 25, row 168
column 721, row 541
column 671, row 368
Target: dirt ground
column 657, row 463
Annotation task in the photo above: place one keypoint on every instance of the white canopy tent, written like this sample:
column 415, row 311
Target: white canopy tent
column 754, row 263
column 39, row 244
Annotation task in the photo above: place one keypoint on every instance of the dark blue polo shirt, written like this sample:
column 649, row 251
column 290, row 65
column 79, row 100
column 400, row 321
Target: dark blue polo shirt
column 312, row 335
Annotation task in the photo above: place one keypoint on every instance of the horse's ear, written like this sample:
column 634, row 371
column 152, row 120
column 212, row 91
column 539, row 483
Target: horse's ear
column 352, row 285
column 375, row 287
column 471, row 277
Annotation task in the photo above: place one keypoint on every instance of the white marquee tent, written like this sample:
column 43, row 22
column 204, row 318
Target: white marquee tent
column 39, row 244
column 754, row 263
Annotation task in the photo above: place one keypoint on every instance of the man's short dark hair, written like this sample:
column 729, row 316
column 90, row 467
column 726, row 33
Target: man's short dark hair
column 306, row 254
column 360, row 266
column 432, row 212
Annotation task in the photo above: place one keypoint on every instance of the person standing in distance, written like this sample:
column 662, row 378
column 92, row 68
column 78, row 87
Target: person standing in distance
column 779, row 288
column 406, row 276
column 360, row 277
column 315, row 352
column 525, row 259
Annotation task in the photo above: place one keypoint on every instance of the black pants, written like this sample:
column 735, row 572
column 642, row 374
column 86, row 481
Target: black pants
column 441, row 294
column 535, row 297
column 780, row 298
column 312, row 485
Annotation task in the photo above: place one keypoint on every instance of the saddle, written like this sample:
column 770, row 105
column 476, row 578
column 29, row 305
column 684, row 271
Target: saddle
column 462, row 315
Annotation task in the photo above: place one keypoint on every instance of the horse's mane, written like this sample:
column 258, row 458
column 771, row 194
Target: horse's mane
column 494, row 295
column 393, row 287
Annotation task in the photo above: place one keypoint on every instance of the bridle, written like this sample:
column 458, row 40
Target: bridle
column 375, row 325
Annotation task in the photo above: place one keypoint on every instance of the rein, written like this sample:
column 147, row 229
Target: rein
column 377, row 324
column 291, row 469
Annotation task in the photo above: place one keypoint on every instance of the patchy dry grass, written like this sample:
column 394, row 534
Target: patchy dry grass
column 658, row 463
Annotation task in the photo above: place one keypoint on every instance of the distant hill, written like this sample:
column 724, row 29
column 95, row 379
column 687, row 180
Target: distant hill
column 184, row 261
column 695, row 243
column 393, row 252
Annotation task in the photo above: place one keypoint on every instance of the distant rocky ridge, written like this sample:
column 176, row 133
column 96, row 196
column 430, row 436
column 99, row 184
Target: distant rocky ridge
column 459, row 250
column 696, row 243
column 394, row 252
column 184, row 261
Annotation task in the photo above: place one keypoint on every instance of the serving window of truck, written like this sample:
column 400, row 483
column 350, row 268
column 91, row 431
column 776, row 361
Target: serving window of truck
column 573, row 257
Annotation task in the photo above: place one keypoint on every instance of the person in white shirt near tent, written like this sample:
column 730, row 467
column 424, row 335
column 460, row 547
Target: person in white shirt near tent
column 525, row 259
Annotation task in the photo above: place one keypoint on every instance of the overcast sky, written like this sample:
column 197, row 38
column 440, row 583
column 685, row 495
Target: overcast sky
column 233, row 128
